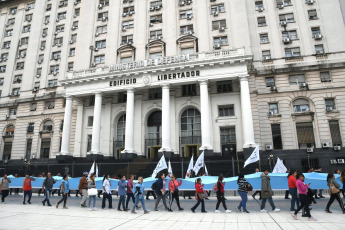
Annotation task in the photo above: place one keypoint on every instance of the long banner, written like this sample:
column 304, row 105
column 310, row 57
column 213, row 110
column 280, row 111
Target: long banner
column 278, row 182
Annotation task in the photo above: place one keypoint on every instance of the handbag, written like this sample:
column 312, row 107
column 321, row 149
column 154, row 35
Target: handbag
column 249, row 187
column 92, row 192
column 333, row 189
column 202, row 195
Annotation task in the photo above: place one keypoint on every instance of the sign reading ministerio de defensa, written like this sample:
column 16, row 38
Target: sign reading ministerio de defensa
column 159, row 77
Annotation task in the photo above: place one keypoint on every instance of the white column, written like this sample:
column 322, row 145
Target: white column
column 166, row 140
column 205, row 117
column 96, row 129
column 66, row 134
column 78, row 130
column 247, row 118
column 129, row 138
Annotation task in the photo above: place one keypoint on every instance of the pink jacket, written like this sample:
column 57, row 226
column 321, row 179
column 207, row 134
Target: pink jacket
column 302, row 188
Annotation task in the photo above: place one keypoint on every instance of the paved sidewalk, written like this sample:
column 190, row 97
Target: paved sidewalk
column 14, row 215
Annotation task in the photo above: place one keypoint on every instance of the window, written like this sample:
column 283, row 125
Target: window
column 70, row 66
column 49, row 104
column 186, row 29
column 226, row 110
column 89, row 142
column 335, row 132
column 227, row 135
column 270, row 81
column 37, row 86
column 61, row 15
column 49, row 7
column 217, row 8
column 7, row 150
column 56, row 55
column 2, row 70
column 156, row 3
column 217, row 25
column 292, row 34
column 52, row 83
column 20, row 65
column 325, row 76
column 266, row 55
column 63, row 3
column 44, row 32
column 128, row 24
column 104, row 2
column 60, row 28
column 101, row 44
column 301, row 105
column 13, row 10
column 186, row 14
column 121, row 130
column 126, row 59
column 40, row 59
column 33, row 107
column 72, row 52
column 17, row 79
column 92, row 100
column 155, row 94
column 4, row 56
column 45, row 148
column 11, row 21
column 73, row 38
column 127, row 39
column 54, row 69
column 28, row 17
column 220, row 40
column 315, row 31
column 26, row 29
column 101, row 29
column 75, row 25
column 28, row 149
column 1, row 81
column 191, row 123
column 330, row 104
column 77, row 12
column 276, row 136
column 273, row 108
column 185, row 51
column 259, row 5
column 13, row 111
column 224, row 86
column 305, row 135
column 288, row 18
column 7, row 45
column 292, row 52
column 297, row 79
column 99, row 59
column 319, row 49
column 58, row 41
column 90, row 121
column 312, row 14
column 122, row 97
column 264, row 38
column 189, row 90
column 284, row 3
column 22, row 53
column 47, row 19
column 262, row 21
column 8, row 33
column 16, row 92
column 128, row 10
column 43, row 45
column 30, row 6
column 156, row 19
column 156, row 55
column 102, row 16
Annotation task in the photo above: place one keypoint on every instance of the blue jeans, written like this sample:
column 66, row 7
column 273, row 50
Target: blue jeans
column 244, row 200
column 94, row 201
column 294, row 199
column 263, row 203
column 142, row 200
column 48, row 193
column 129, row 196
column 122, row 201
column 198, row 203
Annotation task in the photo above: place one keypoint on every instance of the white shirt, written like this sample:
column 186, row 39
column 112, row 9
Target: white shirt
column 106, row 185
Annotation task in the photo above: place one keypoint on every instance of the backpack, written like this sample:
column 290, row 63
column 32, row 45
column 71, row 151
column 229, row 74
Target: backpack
column 215, row 187
column 154, row 186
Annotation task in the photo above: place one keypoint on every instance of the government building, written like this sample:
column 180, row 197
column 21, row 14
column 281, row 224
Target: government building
column 123, row 79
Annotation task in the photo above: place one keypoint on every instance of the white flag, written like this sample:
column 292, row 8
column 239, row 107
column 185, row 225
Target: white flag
column 170, row 169
column 206, row 172
column 190, row 166
column 96, row 170
column 254, row 157
column 279, row 167
column 162, row 164
column 92, row 170
column 199, row 163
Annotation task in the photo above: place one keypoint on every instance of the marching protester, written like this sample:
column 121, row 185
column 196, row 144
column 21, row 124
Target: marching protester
column 266, row 192
column 139, row 195
column 107, row 192
column 302, row 190
column 160, row 191
column 220, row 194
column 64, row 190
column 4, row 188
column 257, row 191
column 293, row 190
column 92, row 191
column 334, row 193
column 130, row 194
column 27, row 187
column 200, row 195
column 173, row 188
column 342, row 179
column 47, row 186
column 57, row 190
column 243, row 187
column 83, row 186
column 122, row 193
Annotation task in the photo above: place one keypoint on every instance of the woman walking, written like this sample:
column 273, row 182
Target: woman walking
column 173, row 188
column 160, row 191
column 243, row 186
column 200, row 194
column 65, row 191
column 4, row 188
column 293, row 190
column 334, row 194
column 91, row 184
column 139, row 195
column 220, row 194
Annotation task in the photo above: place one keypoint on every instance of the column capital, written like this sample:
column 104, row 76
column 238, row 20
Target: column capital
column 165, row 86
column 203, row 82
column 68, row 97
column 131, row 90
column 243, row 77
column 98, row 94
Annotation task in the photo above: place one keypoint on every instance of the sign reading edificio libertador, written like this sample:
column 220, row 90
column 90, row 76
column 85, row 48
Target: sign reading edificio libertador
column 160, row 77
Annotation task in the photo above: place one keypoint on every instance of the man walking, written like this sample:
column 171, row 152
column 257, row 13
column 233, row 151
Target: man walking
column 83, row 186
column 4, row 189
column 47, row 186
column 27, row 187
column 130, row 194
column 122, row 193
column 266, row 192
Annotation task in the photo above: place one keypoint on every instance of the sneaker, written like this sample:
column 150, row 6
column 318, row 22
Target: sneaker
column 57, row 205
column 29, row 202
column 305, row 215
column 44, row 203
column 245, row 211
column 169, row 210
column 253, row 197
column 276, row 210
column 146, row 212
column 294, row 216
column 49, row 205
column 217, row 211
column 263, row 210
column 90, row 209
column 227, row 211
column 83, row 205
column 327, row 211
column 312, row 219
column 133, row 212
column 193, row 211
column 23, row 203
column 322, row 196
column 180, row 209
column 204, row 211
column 239, row 209
column 64, row 207
column 126, row 209
column 292, row 212
column 119, row 210
column 94, row 209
